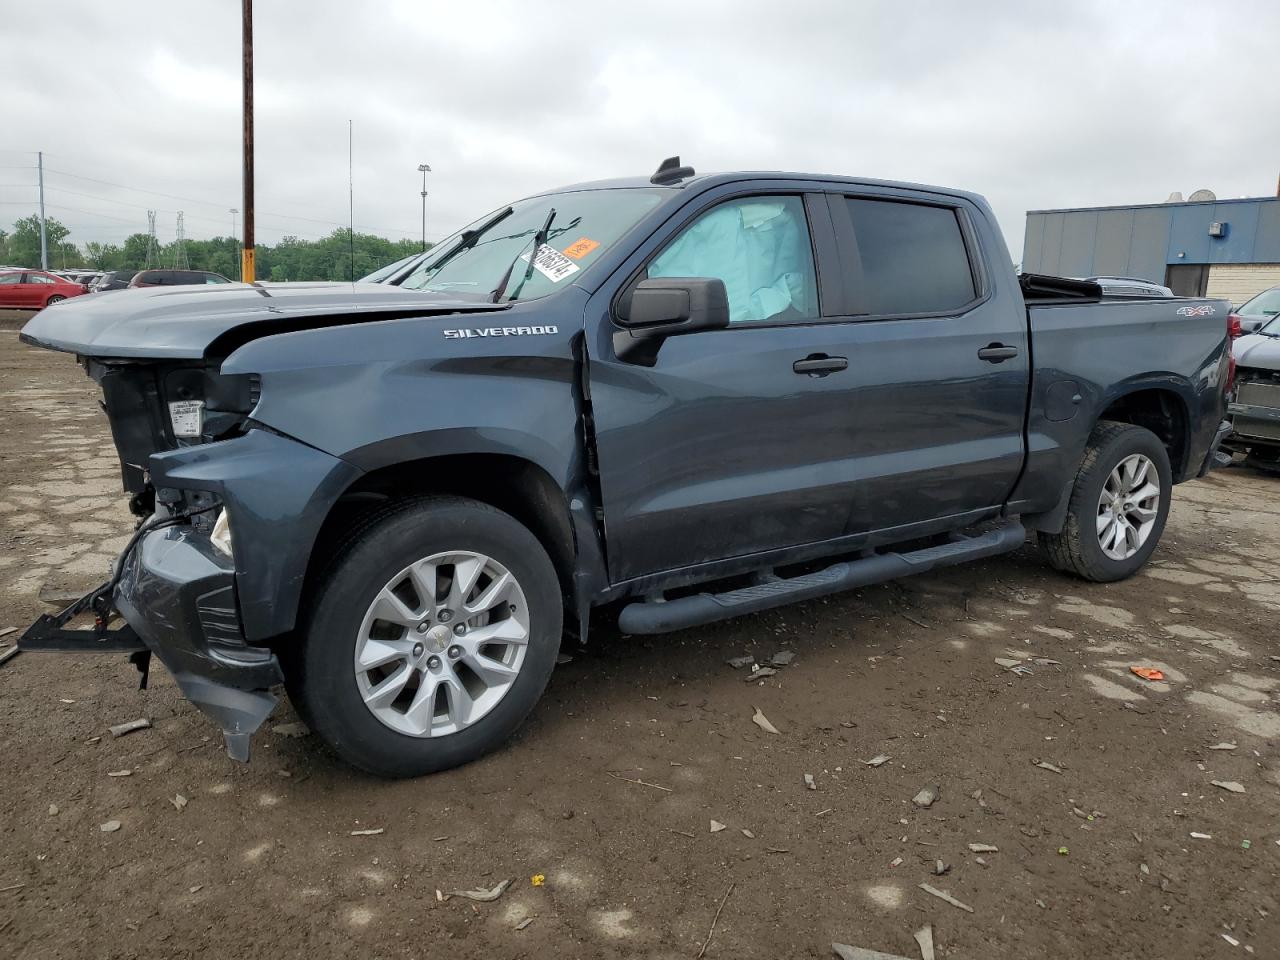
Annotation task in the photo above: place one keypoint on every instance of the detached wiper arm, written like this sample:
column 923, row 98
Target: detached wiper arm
column 539, row 239
column 469, row 238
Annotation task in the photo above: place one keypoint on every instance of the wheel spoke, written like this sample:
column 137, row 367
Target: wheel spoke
column 1142, row 514
column 384, row 693
column 492, row 672
column 1148, row 491
column 421, row 712
column 458, row 700
column 494, row 593
column 391, row 608
column 378, row 653
column 509, row 630
column 1140, row 468
column 465, row 574
column 1105, row 519
column 423, row 575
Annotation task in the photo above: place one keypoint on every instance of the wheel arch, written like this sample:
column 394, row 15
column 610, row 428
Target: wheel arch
column 1161, row 408
column 516, row 485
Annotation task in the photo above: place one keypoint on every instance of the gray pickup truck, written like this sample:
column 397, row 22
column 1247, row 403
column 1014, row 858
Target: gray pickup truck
column 687, row 397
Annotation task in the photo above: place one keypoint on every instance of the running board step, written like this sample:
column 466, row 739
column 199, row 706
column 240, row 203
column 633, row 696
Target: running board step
column 662, row 616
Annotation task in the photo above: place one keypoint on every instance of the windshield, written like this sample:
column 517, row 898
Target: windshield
column 1265, row 304
column 383, row 273
column 587, row 222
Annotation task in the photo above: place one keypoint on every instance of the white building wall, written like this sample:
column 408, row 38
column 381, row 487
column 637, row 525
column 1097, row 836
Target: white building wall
column 1239, row 282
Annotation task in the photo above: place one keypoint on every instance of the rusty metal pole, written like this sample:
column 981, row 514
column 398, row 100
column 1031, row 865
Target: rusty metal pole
column 246, row 252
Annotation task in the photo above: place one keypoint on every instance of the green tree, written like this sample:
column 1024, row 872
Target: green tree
column 24, row 242
column 103, row 256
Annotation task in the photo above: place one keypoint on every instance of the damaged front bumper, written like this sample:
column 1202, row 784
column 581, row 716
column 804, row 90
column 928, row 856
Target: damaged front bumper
column 212, row 620
column 177, row 597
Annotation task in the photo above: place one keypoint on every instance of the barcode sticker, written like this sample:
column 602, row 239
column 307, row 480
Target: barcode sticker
column 552, row 264
column 187, row 417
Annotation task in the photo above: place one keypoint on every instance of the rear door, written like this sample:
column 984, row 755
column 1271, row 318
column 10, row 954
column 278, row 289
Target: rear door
column 939, row 356
column 11, row 290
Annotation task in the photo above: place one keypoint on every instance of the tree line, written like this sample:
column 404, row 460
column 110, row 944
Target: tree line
column 292, row 258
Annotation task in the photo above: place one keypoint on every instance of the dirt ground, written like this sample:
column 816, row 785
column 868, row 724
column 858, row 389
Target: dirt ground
column 609, row 791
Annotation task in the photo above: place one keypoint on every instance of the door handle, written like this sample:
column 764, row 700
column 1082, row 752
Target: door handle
column 997, row 353
column 819, row 365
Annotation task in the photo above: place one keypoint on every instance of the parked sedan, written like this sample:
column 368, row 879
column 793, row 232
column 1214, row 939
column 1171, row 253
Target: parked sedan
column 175, row 278
column 1258, row 311
column 35, row 289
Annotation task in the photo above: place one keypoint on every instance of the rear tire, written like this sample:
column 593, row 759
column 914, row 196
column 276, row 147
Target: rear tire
column 458, row 609
column 1117, row 509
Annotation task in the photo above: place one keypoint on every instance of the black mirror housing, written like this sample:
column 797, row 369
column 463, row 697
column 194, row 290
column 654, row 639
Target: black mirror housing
column 663, row 307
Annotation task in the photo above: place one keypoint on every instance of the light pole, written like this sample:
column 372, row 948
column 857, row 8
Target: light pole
column 424, row 169
column 234, row 212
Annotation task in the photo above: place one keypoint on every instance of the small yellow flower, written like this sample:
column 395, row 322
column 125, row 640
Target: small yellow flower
column 538, row 879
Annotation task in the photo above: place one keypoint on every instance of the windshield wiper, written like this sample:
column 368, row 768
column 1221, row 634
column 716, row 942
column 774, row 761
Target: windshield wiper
column 469, row 238
column 539, row 239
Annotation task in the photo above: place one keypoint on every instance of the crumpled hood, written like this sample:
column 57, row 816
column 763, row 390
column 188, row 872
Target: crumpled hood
column 1259, row 351
column 181, row 322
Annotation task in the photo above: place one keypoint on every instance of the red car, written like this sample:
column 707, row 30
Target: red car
column 35, row 289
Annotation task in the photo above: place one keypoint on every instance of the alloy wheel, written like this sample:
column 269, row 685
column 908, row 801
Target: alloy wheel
column 1128, row 507
column 442, row 643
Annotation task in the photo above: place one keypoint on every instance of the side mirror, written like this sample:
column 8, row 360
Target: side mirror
column 663, row 307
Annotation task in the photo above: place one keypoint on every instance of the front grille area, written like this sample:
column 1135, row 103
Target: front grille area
column 1253, row 427
column 1256, row 393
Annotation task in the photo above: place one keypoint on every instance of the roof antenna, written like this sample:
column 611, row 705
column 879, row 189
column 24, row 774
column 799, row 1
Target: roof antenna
column 670, row 171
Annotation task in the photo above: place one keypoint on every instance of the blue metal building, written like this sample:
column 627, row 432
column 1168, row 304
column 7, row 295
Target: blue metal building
column 1220, row 248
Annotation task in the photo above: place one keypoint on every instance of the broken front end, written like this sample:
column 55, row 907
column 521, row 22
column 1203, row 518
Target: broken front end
column 208, row 580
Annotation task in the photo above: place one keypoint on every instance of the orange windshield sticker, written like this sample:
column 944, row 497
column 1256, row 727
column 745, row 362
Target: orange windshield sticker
column 581, row 247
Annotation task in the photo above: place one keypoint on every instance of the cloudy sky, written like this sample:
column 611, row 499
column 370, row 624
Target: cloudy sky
column 1033, row 104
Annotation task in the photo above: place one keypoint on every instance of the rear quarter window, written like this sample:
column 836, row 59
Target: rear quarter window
column 914, row 258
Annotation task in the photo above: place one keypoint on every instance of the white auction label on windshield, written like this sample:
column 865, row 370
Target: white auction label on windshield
column 552, row 264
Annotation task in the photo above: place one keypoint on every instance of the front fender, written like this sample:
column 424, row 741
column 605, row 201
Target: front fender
column 277, row 493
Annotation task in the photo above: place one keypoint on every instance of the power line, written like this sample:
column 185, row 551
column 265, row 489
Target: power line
column 211, row 203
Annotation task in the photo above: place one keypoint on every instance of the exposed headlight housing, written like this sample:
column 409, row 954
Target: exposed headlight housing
column 221, row 535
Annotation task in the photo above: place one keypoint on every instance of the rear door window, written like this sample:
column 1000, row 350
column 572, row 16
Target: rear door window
column 914, row 258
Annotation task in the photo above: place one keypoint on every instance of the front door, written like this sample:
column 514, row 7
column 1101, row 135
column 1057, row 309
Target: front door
column 730, row 445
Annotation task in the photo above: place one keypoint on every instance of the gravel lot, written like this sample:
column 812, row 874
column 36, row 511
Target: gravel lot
column 609, row 792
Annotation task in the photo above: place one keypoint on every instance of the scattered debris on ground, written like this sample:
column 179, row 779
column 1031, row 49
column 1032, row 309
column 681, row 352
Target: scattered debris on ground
column 1229, row 785
column 927, row 797
column 133, row 726
column 761, row 721
column 481, row 895
column 943, row 895
column 293, row 729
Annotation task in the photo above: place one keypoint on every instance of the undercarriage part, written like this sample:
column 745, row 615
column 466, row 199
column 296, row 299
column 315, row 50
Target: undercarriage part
column 49, row 632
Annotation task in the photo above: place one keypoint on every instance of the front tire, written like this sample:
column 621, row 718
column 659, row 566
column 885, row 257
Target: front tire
column 431, row 636
column 56, row 298
column 1118, row 507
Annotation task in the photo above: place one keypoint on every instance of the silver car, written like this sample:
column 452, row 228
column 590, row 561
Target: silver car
column 1255, row 404
column 1262, row 308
